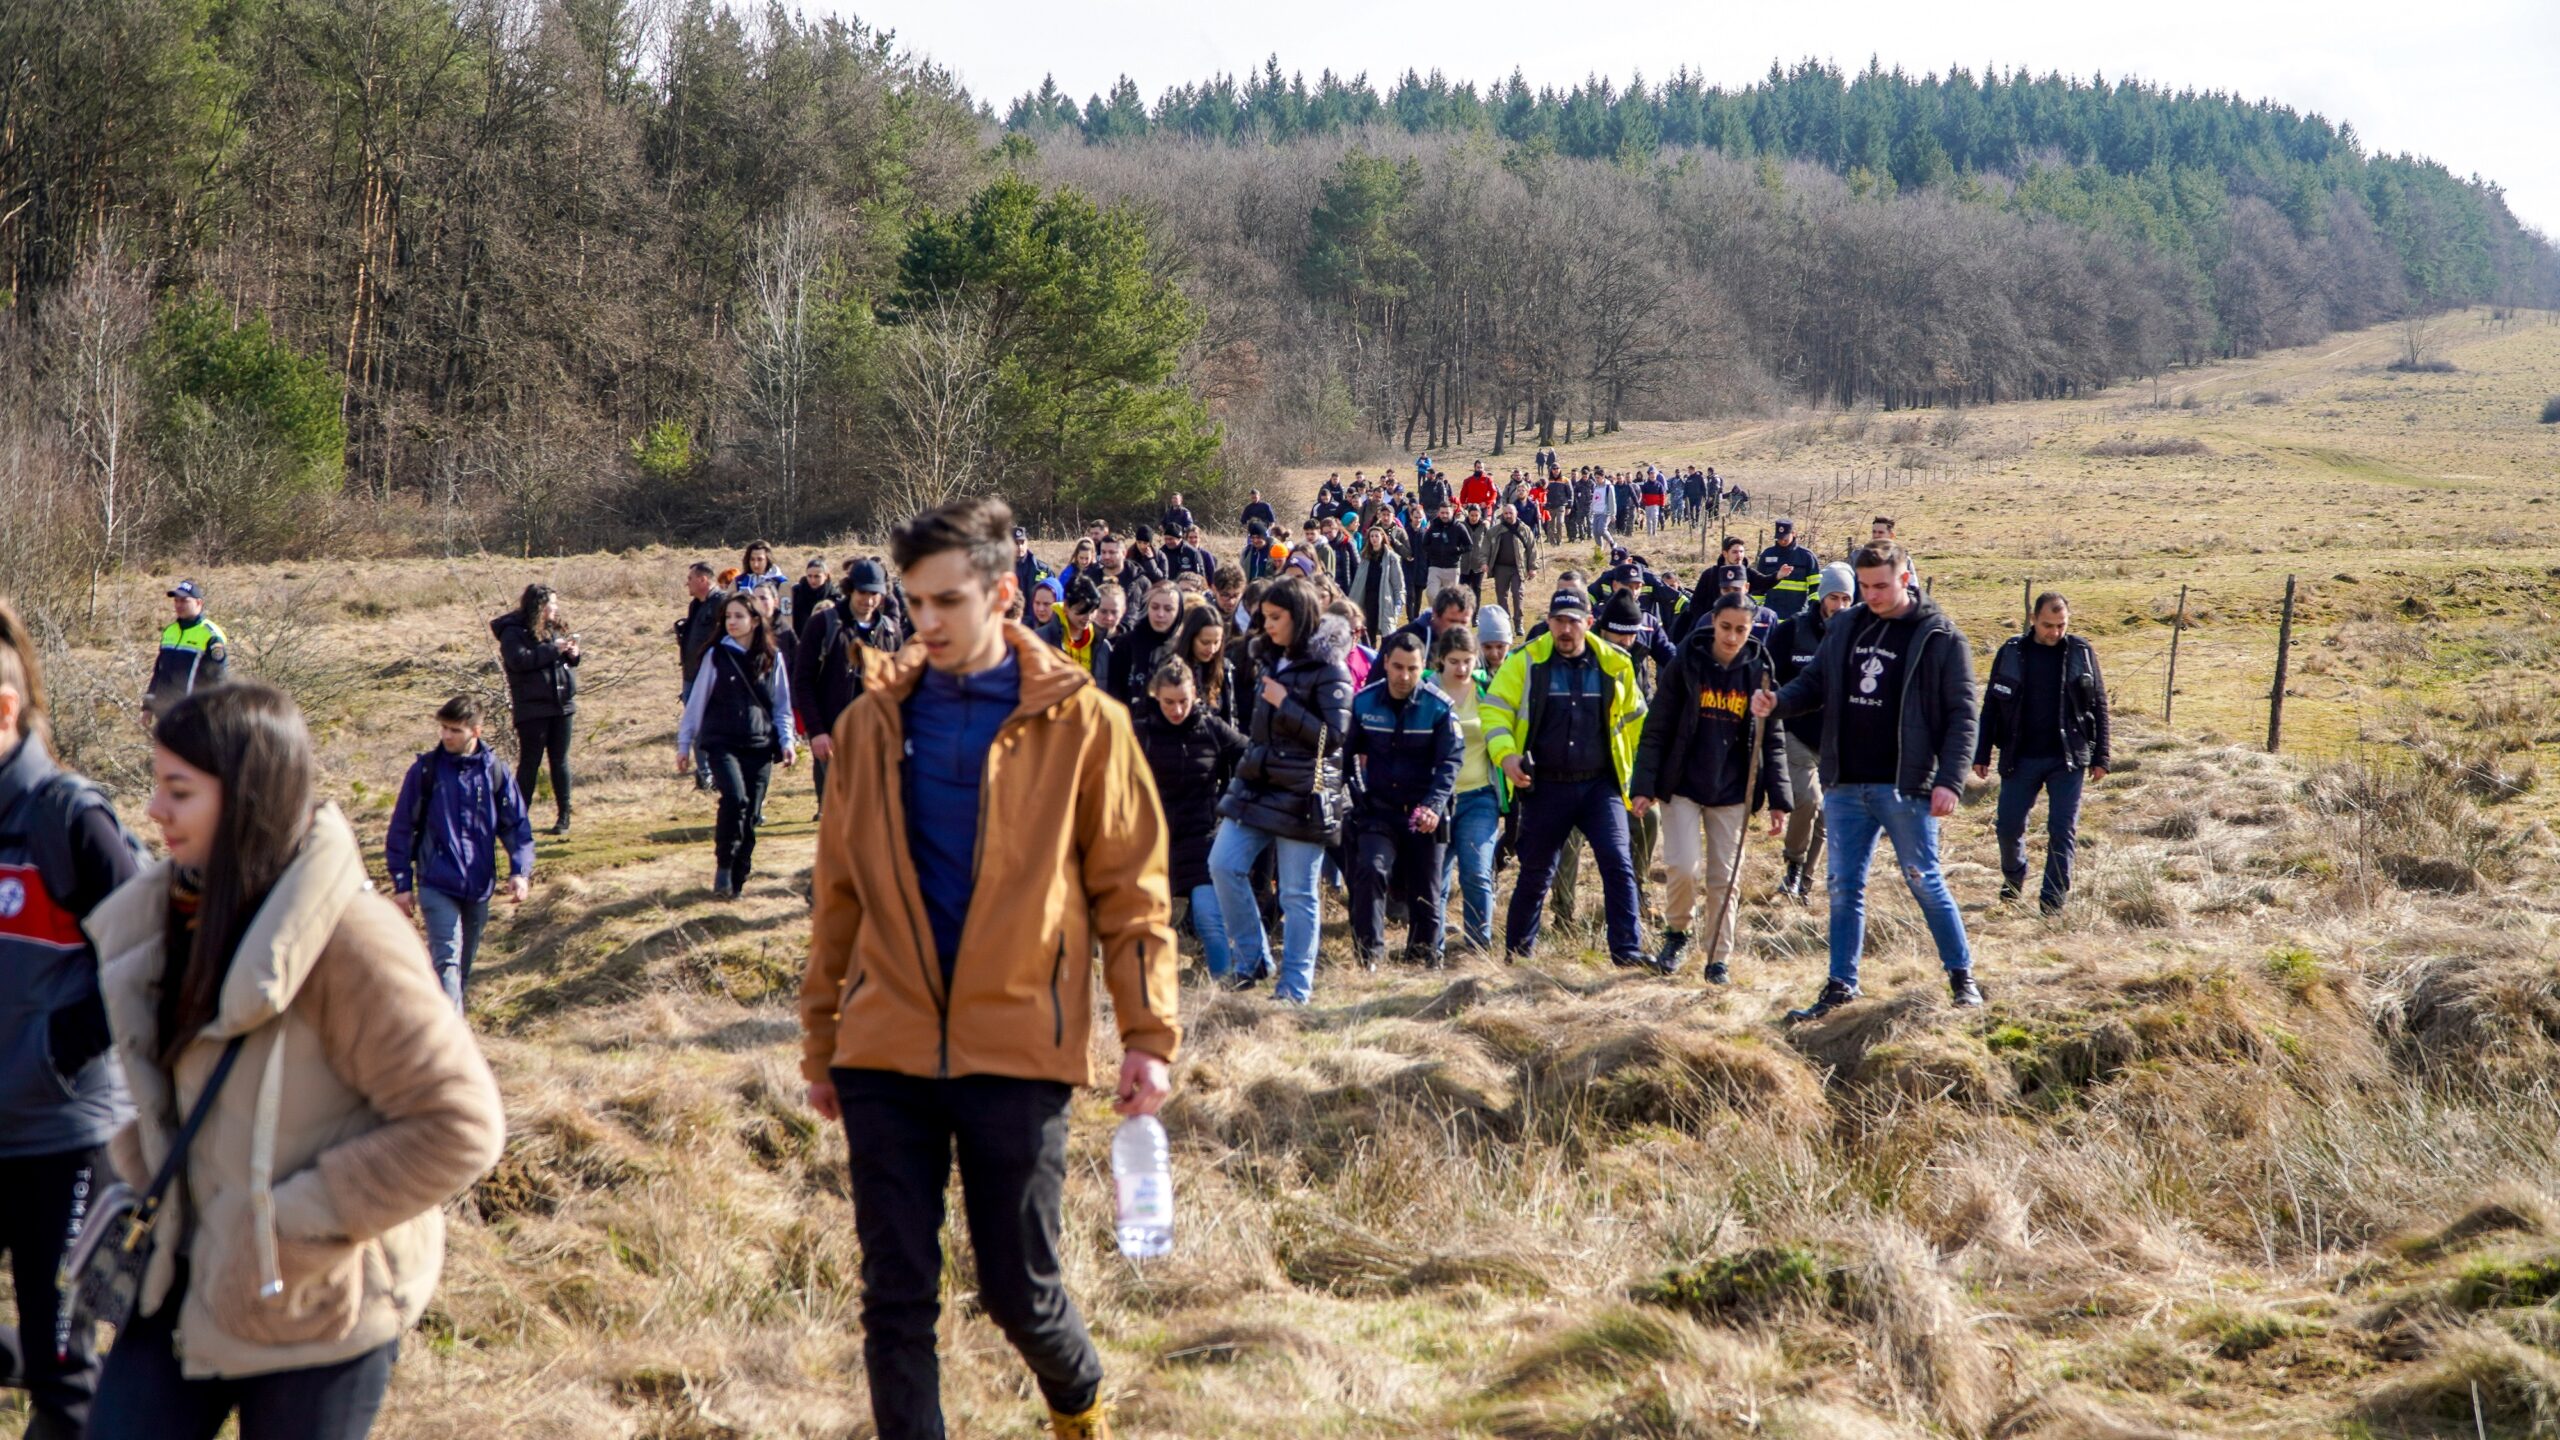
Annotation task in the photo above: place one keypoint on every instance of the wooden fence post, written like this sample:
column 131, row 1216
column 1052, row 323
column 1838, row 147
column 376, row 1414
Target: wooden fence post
column 2284, row 648
column 2027, row 601
column 2169, row 698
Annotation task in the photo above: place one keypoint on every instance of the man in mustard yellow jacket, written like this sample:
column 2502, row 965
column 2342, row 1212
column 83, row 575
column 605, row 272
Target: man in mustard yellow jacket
column 990, row 824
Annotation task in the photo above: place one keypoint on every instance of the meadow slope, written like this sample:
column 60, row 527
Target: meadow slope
column 2259, row 1138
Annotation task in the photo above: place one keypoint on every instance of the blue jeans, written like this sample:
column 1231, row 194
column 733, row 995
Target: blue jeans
column 1231, row 858
column 1209, row 922
column 2060, row 780
column 1854, row 816
column 453, row 937
column 1471, row 841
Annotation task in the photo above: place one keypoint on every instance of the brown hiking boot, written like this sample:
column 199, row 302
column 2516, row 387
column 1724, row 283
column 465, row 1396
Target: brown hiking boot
column 1087, row 1425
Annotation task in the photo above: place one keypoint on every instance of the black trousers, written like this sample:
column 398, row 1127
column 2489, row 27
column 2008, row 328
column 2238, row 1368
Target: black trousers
column 41, row 1198
column 1011, row 1138
column 1402, row 867
column 145, row 1396
column 741, row 777
column 536, row 739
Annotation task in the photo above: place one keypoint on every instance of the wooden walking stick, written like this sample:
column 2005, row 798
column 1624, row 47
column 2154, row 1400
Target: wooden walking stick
column 1742, row 837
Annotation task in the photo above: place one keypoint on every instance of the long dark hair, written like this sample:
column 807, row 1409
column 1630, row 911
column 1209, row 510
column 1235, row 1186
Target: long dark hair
column 20, row 671
column 1213, row 678
column 761, row 648
column 529, row 610
column 1297, row 595
column 250, row 739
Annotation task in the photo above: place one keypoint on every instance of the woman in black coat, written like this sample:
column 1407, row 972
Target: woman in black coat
column 1288, row 794
column 541, row 660
column 1146, row 644
column 1191, row 752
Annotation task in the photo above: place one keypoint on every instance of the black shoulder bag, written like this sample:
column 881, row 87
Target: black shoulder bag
column 102, row 1272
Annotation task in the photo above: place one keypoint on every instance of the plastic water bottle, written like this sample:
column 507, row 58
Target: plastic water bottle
column 1142, row 1164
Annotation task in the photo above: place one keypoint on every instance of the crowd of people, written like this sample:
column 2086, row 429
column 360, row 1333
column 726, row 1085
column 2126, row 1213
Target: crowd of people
column 1060, row 773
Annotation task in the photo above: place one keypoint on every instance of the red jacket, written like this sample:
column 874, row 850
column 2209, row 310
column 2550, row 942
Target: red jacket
column 1477, row 489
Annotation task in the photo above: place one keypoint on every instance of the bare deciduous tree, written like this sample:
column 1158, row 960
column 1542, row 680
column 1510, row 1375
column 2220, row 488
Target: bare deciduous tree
column 778, row 332
column 94, row 331
column 939, row 385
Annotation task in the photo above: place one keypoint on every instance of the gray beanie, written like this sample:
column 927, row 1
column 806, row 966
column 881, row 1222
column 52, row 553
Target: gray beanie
column 1837, row 579
column 1493, row 625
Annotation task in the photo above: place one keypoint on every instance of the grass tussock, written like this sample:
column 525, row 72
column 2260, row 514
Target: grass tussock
column 2476, row 1374
column 2509, row 1208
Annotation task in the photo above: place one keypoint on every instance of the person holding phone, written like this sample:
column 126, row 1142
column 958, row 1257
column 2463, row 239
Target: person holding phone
column 541, row 660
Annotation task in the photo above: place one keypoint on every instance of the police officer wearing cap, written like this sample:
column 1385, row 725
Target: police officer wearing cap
column 1787, row 571
column 194, row 653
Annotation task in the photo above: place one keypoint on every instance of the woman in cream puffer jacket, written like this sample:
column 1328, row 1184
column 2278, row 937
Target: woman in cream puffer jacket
column 307, row 1231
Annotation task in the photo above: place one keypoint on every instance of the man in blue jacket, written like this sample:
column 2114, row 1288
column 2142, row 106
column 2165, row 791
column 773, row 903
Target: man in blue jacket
column 458, row 805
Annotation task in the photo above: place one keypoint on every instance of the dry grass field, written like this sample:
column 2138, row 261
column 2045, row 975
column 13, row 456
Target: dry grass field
column 2261, row 1138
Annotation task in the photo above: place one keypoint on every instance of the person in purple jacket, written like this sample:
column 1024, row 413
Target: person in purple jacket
column 458, row 808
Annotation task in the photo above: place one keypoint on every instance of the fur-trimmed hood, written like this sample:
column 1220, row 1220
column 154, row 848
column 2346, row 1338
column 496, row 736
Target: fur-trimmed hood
column 1331, row 644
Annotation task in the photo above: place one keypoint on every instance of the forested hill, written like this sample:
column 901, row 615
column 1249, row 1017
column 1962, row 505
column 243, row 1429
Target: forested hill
column 293, row 276
column 1885, row 130
column 1438, row 261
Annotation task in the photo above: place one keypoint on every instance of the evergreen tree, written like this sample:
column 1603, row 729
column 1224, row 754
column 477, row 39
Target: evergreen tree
column 1082, row 336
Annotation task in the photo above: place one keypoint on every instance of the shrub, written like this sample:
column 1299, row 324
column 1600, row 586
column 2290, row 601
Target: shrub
column 2551, row 411
column 248, row 427
column 2423, row 367
column 664, row 452
column 2130, row 445
column 1752, row 1283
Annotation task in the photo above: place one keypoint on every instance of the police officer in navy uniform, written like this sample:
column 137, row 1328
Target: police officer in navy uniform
column 194, row 653
column 1787, row 572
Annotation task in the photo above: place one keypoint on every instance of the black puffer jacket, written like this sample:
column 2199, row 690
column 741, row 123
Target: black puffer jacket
column 1290, row 780
column 542, row 683
column 1191, row 761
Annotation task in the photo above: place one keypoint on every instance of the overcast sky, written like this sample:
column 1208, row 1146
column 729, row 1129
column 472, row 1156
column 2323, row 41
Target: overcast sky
column 2474, row 84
